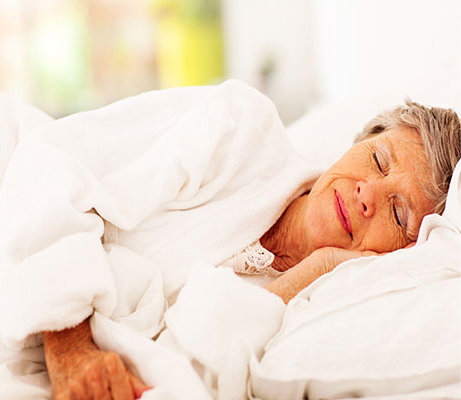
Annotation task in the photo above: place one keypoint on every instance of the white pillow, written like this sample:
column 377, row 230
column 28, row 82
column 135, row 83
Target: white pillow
column 376, row 326
column 326, row 132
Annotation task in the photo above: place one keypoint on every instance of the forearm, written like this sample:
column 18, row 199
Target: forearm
column 320, row 262
column 58, row 343
column 297, row 278
column 67, row 338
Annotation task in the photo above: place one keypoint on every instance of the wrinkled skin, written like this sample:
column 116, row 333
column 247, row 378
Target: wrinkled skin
column 78, row 369
column 381, row 182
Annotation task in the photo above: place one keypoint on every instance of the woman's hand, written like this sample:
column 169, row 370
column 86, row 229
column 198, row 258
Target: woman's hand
column 331, row 257
column 318, row 263
column 78, row 369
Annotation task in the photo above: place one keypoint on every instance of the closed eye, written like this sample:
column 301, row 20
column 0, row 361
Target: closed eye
column 399, row 214
column 378, row 162
column 397, row 217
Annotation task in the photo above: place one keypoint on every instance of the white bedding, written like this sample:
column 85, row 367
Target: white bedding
column 376, row 326
column 221, row 325
column 178, row 176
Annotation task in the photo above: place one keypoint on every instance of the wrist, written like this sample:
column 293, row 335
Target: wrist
column 77, row 338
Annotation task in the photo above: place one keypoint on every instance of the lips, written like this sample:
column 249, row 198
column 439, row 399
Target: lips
column 342, row 214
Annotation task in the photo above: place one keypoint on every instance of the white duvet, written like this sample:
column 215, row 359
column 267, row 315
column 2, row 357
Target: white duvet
column 208, row 170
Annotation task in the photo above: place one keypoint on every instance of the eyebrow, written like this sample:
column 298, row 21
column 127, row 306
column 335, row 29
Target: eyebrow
column 390, row 149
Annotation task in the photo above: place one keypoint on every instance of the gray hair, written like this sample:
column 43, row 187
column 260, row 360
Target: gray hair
column 440, row 131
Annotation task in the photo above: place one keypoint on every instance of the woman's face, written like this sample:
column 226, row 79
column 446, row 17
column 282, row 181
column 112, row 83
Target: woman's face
column 373, row 198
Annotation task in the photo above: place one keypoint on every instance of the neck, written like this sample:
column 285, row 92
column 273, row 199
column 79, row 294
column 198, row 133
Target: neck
column 286, row 238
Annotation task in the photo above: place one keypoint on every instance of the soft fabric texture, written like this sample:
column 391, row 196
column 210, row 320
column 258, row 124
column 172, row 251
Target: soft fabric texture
column 154, row 163
column 376, row 326
column 176, row 176
column 17, row 120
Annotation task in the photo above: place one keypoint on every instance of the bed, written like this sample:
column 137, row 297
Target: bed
column 378, row 327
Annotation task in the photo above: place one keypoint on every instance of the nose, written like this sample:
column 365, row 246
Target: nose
column 366, row 196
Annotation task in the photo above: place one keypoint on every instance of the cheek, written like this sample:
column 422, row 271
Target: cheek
column 322, row 226
column 382, row 237
column 344, row 171
column 317, row 231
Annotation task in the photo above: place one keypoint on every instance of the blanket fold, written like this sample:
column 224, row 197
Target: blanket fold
column 178, row 186
column 180, row 175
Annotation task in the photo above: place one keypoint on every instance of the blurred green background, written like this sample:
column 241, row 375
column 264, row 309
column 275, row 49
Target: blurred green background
column 78, row 54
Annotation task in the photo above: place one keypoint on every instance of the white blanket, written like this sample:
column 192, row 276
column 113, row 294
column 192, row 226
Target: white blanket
column 220, row 327
column 166, row 179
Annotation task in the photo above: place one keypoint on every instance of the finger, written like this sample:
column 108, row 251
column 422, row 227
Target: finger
column 138, row 386
column 60, row 391
column 97, row 384
column 119, row 380
column 369, row 253
column 62, row 395
column 338, row 256
column 77, row 391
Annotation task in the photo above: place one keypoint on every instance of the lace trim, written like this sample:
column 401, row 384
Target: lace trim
column 254, row 260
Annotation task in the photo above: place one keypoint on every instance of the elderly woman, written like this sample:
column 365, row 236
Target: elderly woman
column 371, row 201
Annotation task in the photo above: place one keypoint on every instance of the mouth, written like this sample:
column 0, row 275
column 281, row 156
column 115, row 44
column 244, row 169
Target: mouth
column 343, row 215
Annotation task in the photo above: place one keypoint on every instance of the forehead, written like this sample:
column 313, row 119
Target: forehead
column 402, row 135
column 405, row 148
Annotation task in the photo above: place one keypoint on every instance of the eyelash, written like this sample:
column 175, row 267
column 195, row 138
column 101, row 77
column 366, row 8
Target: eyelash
column 397, row 218
column 377, row 162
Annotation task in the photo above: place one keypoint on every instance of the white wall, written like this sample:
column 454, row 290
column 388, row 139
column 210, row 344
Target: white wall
column 334, row 50
column 410, row 47
column 260, row 31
